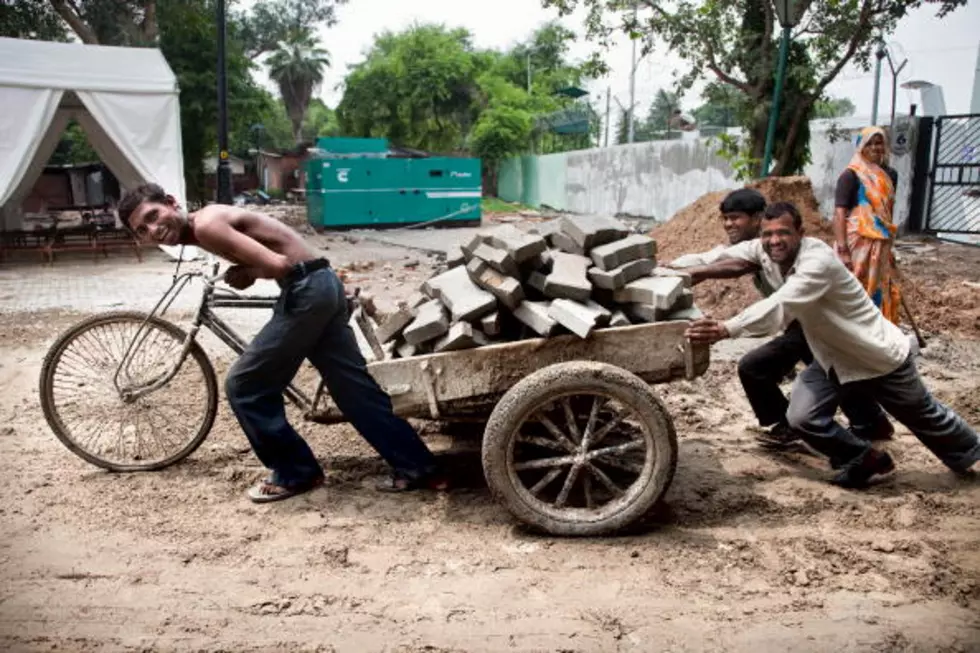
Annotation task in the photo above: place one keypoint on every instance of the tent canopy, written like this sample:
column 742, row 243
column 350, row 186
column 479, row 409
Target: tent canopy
column 126, row 100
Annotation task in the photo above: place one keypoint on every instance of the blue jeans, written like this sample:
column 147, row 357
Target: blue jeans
column 310, row 322
column 901, row 393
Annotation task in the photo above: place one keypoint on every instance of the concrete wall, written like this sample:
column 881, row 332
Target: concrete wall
column 658, row 178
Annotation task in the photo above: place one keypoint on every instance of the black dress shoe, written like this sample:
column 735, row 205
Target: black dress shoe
column 856, row 474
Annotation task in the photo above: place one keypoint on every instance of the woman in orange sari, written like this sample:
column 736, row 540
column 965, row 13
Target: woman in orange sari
column 863, row 226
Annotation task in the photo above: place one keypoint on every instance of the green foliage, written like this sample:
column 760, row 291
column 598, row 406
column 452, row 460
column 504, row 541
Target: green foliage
column 429, row 88
column 271, row 22
column 297, row 68
column 74, row 147
column 320, row 121
column 736, row 42
column 833, row 108
column 31, row 19
column 733, row 150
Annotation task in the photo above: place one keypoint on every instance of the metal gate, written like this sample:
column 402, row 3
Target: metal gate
column 954, row 180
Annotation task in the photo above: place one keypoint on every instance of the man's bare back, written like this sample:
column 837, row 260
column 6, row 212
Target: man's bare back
column 264, row 246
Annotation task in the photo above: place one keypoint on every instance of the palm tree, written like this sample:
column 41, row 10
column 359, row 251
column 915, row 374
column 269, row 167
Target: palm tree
column 296, row 66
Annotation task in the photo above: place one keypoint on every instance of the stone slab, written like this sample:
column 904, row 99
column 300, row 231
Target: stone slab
column 430, row 322
column 406, row 350
column 617, row 278
column 490, row 324
column 568, row 278
column 455, row 256
column 619, row 319
column 535, row 315
column 498, row 259
column 588, row 231
column 506, row 289
column 578, row 318
column 394, row 324
column 619, row 252
column 645, row 313
column 459, row 336
column 670, row 272
column 661, row 292
column 564, row 243
column 519, row 244
column 461, row 296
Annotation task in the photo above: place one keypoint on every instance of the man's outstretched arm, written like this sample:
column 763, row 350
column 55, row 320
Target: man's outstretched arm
column 723, row 269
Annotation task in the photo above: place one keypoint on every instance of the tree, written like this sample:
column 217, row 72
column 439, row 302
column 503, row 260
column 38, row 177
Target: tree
column 111, row 22
column 662, row 109
column 320, row 120
column 736, row 41
column 833, row 108
column 500, row 132
column 271, row 22
column 31, row 19
column 297, row 69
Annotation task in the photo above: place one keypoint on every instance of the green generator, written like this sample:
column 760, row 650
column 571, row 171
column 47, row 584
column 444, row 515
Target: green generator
column 360, row 182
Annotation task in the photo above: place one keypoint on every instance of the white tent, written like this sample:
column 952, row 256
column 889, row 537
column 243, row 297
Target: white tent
column 126, row 100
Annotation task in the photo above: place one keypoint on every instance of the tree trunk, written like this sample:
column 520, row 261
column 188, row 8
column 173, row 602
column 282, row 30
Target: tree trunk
column 792, row 134
column 75, row 22
column 150, row 28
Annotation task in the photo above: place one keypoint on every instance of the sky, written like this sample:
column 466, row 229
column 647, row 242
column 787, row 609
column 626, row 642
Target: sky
column 943, row 52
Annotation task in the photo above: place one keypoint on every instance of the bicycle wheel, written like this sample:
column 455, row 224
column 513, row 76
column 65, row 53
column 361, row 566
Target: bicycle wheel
column 87, row 413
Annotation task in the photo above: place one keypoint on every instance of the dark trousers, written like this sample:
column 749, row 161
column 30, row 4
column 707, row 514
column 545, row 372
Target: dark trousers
column 901, row 393
column 310, row 322
column 762, row 369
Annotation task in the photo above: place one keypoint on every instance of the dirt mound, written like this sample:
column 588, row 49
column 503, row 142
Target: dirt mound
column 697, row 228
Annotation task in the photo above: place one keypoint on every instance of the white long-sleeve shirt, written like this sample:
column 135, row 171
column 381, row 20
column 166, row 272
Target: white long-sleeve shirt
column 718, row 254
column 845, row 330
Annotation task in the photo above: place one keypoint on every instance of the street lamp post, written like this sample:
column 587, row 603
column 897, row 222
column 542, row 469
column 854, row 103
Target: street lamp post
column 224, row 167
column 786, row 13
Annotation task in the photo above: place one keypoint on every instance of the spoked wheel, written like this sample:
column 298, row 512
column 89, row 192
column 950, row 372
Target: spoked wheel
column 89, row 415
column 579, row 448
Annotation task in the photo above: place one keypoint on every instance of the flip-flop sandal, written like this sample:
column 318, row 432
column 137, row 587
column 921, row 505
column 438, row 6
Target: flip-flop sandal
column 396, row 484
column 259, row 493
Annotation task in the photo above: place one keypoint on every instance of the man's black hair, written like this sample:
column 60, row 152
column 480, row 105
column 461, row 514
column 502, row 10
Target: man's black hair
column 779, row 209
column 744, row 200
column 135, row 197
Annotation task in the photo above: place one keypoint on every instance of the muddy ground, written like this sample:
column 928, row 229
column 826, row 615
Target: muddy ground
column 749, row 552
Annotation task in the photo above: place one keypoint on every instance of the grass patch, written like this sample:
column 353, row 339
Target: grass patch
column 497, row 205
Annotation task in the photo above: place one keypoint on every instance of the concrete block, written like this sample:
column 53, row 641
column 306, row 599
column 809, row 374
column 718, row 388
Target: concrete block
column 622, row 251
column 457, row 291
column 498, row 259
column 547, row 229
column 564, row 243
column 660, row 292
column 459, row 336
column 538, row 263
column 414, row 300
column 568, row 278
column 362, row 342
column 588, row 231
column 669, row 272
column 506, row 289
column 455, row 257
column 394, row 325
column 431, row 322
column 603, row 314
column 690, row 313
column 645, row 313
column 406, row 350
column 684, row 300
column 490, row 324
column 619, row 319
column 536, row 280
column 520, row 245
column 470, row 246
column 535, row 315
column 580, row 319
column 616, row 278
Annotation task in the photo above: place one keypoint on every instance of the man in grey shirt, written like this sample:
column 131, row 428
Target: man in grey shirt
column 855, row 349
column 764, row 368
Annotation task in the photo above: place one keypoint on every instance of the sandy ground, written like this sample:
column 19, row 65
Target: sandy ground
column 749, row 552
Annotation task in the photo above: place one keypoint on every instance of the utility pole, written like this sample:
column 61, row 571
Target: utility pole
column 224, row 167
column 895, row 72
column 879, row 55
column 632, row 111
column 608, row 97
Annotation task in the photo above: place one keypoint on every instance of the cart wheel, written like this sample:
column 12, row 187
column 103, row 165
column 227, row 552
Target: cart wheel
column 579, row 448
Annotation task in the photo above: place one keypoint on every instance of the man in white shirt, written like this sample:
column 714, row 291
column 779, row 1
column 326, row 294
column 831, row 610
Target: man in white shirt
column 764, row 368
column 855, row 349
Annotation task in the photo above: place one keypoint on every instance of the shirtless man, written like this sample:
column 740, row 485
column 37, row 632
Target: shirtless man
column 309, row 321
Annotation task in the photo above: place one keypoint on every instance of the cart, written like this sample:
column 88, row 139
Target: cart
column 576, row 441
